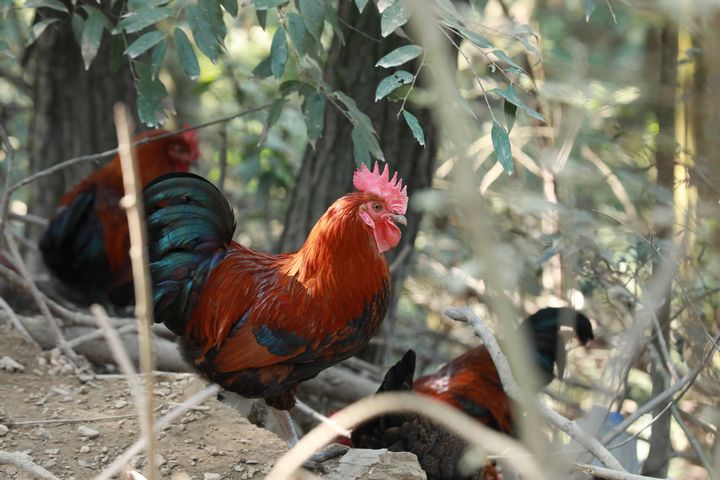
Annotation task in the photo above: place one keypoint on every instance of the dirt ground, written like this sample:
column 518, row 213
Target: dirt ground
column 208, row 443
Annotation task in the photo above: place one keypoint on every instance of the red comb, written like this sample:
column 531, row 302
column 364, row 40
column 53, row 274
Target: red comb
column 191, row 138
column 379, row 183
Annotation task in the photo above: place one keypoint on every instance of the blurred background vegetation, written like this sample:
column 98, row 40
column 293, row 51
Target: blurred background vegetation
column 623, row 167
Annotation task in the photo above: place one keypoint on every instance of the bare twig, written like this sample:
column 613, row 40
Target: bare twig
column 110, row 153
column 24, row 461
column 24, row 423
column 39, row 298
column 15, row 320
column 133, row 204
column 600, row 472
column 305, row 408
column 10, row 162
column 591, row 444
column 164, row 421
column 476, row 434
column 89, row 337
column 223, row 156
column 29, row 218
column 694, row 442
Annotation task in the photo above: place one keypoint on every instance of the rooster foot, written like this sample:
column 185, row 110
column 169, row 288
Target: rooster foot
column 329, row 452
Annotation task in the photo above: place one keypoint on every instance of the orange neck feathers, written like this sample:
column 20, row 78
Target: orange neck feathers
column 340, row 254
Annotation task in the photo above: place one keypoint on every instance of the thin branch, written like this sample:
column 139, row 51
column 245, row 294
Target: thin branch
column 600, row 472
column 133, row 204
column 476, row 434
column 110, row 153
column 25, row 423
column 10, row 162
column 571, row 428
column 223, row 157
column 15, row 320
column 24, row 461
column 89, row 337
column 694, row 442
column 39, row 298
column 307, row 409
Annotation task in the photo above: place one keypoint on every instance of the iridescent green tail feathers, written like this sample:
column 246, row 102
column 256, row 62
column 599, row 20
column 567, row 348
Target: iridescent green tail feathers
column 190, row 226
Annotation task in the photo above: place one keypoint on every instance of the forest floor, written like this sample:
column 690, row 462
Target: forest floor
column 209, row 442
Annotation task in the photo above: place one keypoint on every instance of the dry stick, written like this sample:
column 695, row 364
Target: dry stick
column 89, row 337
column 307, row 409
column 29, row 218
column 133, row 204
column 164, row 421
column 24, row 423
column 39, row 298
column 24, row 461
column 476, row 434
column 15, row 320
column 109, row 153
column 694, row 442
column 571, row 428
column 119, row 353
column 223, row 157
column 600, row 472
column 10, row 161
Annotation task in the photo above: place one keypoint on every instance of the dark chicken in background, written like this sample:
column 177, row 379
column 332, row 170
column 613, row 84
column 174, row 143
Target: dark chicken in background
column 260, row 324
column 86, row 243
column 470, row 383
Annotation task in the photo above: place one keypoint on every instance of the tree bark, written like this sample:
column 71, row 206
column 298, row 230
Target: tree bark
column 72, row 113
column 658, row 458
column 325, row 174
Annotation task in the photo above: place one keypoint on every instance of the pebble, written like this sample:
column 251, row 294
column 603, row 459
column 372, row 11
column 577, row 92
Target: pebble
column 87, row 431
column 9, row 364
column 120, row 404
column 84, row 449
column 211, row 476
column 3, row 430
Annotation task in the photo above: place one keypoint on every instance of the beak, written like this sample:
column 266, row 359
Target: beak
column 399, row 219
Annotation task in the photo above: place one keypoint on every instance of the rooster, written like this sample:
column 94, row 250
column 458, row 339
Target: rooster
column 86, row 244
column 260, row 324
column 470, row 383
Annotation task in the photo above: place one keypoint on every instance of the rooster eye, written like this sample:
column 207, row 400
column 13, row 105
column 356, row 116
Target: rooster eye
column 377, row 207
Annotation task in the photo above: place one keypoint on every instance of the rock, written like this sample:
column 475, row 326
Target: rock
column 120, row 404
column 3, row 430
column 84, row 449
column 211, row 476
column 7, row 363
column 364, row 464
column 87, row 431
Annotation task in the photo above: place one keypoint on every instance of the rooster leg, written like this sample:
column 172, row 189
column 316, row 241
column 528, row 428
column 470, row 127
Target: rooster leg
column 290, row 436
column 286, row 425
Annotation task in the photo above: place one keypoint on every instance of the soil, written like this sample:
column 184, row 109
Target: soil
column 210, row 442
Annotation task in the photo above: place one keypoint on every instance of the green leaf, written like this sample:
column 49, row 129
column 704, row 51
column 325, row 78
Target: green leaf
column 262, row 18
column 501, row 143
column 502, row 56
column 231, row 6
column 415, row 127
column 143, row 18
column 151, row 96
column 313, row 13
column 278, row 53
column 298, row 33
column 478, row 5
column 38, row 28
column 272, row 118
column 92, row 34
column 510, row 95
column 263, row 69
column 475, row 38
column 361, row 5
column 393, row 17
column 289, row 86
column 144, row 43
column 266, row 4
column 399, row 56
column 213, row 14
column 363, row 135
column 158, row 55
column 510, row 110
column 186, row 54
column 78, row 23
column 589, row 8
column 134, row 5
column 117, row 58
column 202, row 30
column 53, row 4
column 313, row 108
column 390, row 83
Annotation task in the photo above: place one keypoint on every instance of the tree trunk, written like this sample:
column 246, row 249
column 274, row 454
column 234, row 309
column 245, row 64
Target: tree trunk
column 72, row 113
column 325, row 174
column 658, row 458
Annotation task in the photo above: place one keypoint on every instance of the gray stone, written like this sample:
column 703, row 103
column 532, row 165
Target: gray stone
column 87, row 431
column 364, row 464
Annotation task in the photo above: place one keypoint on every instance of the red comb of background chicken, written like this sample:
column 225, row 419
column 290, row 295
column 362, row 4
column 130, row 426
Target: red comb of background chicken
column 379, row 182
